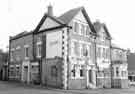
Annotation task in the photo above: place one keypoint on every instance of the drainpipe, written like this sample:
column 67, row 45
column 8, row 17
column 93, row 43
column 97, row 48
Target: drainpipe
column 68, row 58
column 40, row 64
column 9, row 57
column 95, row 58
column 111, row 64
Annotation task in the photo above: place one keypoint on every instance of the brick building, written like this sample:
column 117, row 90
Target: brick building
column 103, row 52
column 131, row 68
column 119, row 67
column 63, row 52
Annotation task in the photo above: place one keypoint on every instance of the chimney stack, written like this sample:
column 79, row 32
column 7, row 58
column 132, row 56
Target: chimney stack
column 50, row 10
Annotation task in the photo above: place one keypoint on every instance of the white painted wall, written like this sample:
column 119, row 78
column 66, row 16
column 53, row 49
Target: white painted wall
column 80, row 17
column 54, row 44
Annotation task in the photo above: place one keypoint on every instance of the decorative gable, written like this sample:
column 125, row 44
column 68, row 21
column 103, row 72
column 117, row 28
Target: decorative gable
column 80, row 17
column 48, row 23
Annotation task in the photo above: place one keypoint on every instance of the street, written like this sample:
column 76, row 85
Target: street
column 19, row 88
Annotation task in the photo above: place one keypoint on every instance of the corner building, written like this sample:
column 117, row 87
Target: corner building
column 66, row 52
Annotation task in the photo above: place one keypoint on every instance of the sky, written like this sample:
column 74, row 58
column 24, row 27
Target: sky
column 23, row 15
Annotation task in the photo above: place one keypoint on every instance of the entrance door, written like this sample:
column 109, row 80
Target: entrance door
column 25, row 75
column 90, row 76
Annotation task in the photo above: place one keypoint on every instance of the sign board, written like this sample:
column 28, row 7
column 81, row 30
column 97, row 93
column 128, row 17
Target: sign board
column 54, row 44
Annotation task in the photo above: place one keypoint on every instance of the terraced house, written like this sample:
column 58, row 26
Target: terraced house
column 119, row 67
column 103, row 55
column 68, row 52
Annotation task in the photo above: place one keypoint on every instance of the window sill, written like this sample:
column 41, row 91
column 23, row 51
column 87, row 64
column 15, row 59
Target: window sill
column 38, row 56
column 26, row 58
column 77, row 78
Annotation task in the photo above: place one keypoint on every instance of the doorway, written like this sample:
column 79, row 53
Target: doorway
column 90, row 76
column 25, row 74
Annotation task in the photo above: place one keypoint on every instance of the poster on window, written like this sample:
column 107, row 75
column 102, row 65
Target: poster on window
column 54, row 44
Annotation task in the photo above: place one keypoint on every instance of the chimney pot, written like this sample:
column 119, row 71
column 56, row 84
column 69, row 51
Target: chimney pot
column 50, row 10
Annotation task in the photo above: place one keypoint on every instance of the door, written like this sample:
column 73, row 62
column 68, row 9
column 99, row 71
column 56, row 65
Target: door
column 25, row 75
column 90, row 76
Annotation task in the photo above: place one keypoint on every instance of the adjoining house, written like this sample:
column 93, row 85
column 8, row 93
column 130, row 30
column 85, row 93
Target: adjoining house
column 3, row 65
column 59, row 52
column 103, row 55
column 119, row 67
column 131, row 68
column 67, row 52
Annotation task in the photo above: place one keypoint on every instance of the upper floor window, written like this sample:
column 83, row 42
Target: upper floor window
column 11, row 54
column 117, row 71
column 90, row 51
column 120, row 55
column 98, row 52
column 82, row 29
column 76, row 27
column 76, row 48
column 87, row 30
column 18, row 48
column 123, row 73
column 84, row 50
column 103, row 53
column 26, row 52
column 108, row 53
column 39, row 50
column 39, row 47
column 54, row 71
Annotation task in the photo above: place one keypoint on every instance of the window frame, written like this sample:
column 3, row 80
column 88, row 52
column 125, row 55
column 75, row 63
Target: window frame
column 26, row 51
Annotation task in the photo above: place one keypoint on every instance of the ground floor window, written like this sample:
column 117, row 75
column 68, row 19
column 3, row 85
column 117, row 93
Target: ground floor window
column 117, row 71
column 100, row 74
column 54, row 71
column 81, row 73
column 35, row 74
column 11, row 72
column 131, row 78
column 123, row 73
column 73, row 73
column 17, row 71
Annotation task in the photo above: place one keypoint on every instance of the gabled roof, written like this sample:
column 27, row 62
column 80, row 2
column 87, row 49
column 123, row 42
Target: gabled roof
column 22, row 34
column 98, row 25
column 44, row 18
column 69, row 15
column 107, row 32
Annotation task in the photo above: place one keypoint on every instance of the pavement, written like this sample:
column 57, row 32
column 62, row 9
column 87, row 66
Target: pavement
column 7, row 87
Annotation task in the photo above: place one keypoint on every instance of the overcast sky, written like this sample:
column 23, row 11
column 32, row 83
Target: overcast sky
column 119, row 16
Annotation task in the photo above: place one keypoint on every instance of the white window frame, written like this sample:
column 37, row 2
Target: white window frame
column 37, row 50
column 80, row 48
column 11, row 54
column 25, row 47
column 18, row 47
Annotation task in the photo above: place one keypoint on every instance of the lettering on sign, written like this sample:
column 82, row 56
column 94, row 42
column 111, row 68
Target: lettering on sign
column 54, row 42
